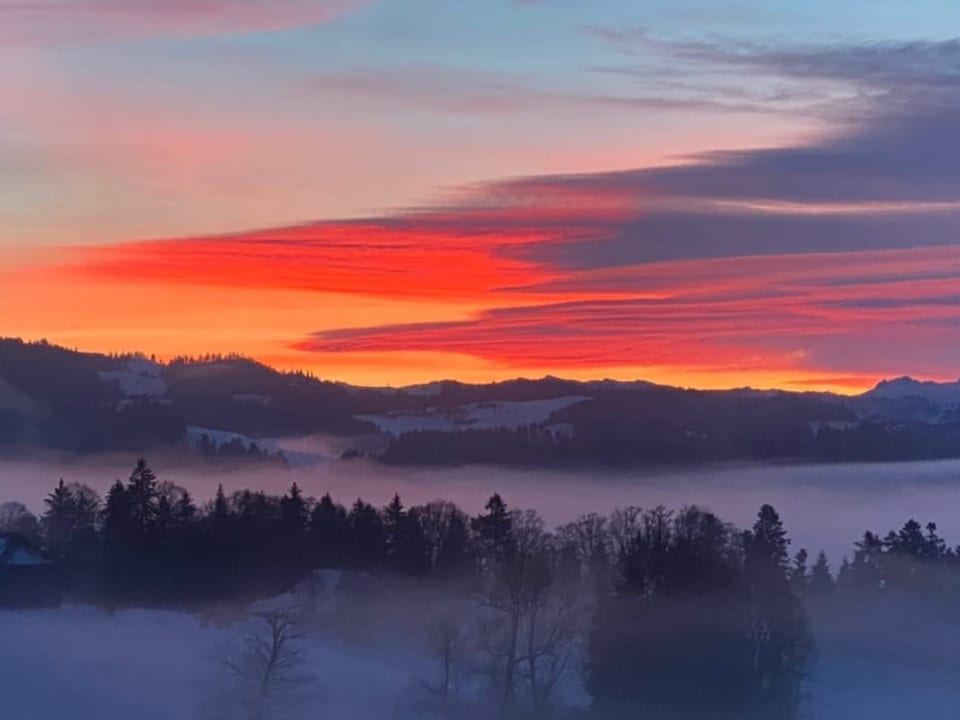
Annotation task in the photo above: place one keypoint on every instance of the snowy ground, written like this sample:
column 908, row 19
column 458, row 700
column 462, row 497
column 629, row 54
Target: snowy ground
column 83, row 664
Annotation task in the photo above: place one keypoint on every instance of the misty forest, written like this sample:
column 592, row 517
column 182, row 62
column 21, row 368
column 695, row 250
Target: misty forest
column 643, row 613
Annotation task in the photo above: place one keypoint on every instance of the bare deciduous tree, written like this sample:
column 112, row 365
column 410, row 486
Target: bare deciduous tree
column 266, row 674
column 532, row 608
column 447, row 639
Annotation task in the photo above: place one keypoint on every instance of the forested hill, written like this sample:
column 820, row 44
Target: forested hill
column 54, row 398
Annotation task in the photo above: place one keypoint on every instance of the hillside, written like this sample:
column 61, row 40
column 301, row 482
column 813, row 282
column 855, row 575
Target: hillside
column 54, row 398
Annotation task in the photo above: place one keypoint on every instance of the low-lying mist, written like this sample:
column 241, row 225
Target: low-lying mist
column 824, row 507
column 378, row 644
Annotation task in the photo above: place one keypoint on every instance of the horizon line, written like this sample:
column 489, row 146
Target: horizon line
column 234, row 355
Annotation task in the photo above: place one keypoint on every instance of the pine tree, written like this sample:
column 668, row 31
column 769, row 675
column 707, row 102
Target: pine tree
column 220, row 512
column 293, row 513
column 87, row 506
column 184, row 510
column 799, row 577
column 494, row 530
column 780, row 632
column 411, row 548
column 821, row 582
column 769, row 542
column 143, row 498
column 934, row 547
column 120, row 537
column 116, row 514
column 60, row 519
column 394, row 517
column 328, row 530
column 366, row 535
column 454, row 557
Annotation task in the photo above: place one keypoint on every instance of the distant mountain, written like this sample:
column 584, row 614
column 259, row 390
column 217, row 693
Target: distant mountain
column 943, row 394
column 54, row 398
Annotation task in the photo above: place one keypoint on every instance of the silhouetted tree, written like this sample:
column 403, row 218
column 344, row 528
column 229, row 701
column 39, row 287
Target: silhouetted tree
column 367, row 542
column 16, row 518
column 328, row 531
column 59, row 520
column 799, row 576
column 266, row 677
column 493, row 531
column 142, row 499
column 821, row 583
column 294, row 513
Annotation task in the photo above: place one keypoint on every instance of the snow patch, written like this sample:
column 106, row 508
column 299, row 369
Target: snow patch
column 476, row 416
column 138, row 378
column 429, row 389
column 841, row 425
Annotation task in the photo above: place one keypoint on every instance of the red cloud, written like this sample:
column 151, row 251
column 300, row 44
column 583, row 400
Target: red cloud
column 361, row 258
column 493, row 253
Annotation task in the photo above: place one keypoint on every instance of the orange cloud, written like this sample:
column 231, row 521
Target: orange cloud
column 415, row 297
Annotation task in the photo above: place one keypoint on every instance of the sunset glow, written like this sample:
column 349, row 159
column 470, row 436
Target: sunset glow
column 180, row 180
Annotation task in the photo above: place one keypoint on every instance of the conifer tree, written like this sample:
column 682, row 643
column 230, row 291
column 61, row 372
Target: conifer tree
column 59, row 519
column 799, row 576
column 143, row 498
column 454, row 556
column 493, row 531
column 293, row 512
column 366, row 535
column 328, row 530
column 821, row 582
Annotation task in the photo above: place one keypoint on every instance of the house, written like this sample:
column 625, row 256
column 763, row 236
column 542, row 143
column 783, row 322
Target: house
column 27, row 578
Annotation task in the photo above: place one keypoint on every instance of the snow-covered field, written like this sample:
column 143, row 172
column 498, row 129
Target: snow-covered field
column 83, row 664
column 476, row 416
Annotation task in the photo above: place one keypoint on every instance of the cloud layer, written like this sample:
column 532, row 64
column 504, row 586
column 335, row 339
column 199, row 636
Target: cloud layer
column 829, row 263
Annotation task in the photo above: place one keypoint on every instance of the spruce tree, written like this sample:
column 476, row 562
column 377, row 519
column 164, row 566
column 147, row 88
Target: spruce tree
column 293, row 513
column 328, row 532
column 60, row 520
column 394, row 518
column 493, row 530
column 821, row 582
column 117, row 515
column 454, row 557
column 184, row 510
column 366, row 532
column 799, row 577
column 143, row 498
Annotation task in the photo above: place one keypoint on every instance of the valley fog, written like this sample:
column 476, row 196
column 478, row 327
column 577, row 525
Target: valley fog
column 824, row 507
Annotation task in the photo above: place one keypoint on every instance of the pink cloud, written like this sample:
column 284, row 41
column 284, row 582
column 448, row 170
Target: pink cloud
column 33, row 22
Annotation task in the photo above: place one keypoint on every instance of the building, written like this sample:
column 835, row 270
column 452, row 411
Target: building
column 27, row 578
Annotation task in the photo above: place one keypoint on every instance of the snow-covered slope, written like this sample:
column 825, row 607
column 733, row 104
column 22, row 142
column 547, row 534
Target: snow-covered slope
column 83, row 664
column 138, row 378
column 476, row 416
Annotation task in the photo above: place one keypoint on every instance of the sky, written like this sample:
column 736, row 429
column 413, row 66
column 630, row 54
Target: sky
column 385, row 192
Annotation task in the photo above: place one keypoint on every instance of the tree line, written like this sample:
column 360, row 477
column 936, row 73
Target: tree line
column 677, row 613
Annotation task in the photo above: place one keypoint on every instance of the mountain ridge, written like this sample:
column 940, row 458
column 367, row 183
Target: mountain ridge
column 53, row 397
